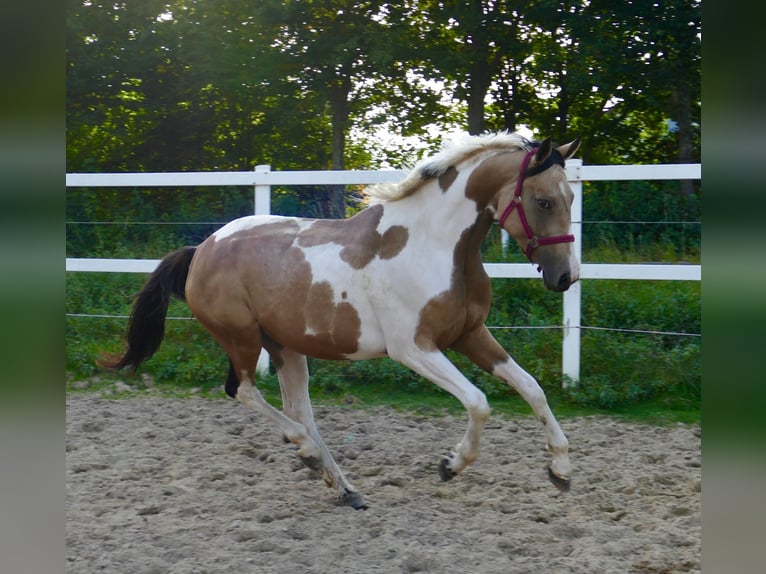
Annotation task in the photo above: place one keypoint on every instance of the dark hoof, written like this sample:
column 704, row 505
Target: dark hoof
column 352, row 499
column 445, row 472
column 563, row 484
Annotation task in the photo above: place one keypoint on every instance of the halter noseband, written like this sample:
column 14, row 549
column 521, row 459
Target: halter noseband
column 534, row 240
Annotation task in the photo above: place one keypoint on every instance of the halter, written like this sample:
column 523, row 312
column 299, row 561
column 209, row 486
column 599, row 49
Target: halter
column 534, row 240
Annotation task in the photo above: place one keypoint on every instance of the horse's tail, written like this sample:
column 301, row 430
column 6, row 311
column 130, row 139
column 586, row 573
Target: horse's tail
column 146, row 327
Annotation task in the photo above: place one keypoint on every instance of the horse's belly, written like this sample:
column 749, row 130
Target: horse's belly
column 331, row 330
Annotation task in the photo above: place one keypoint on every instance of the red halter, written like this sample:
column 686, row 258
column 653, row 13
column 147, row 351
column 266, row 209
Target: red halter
column 534, row 240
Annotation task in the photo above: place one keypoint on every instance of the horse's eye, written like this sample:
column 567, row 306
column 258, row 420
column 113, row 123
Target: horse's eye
column 544, row 203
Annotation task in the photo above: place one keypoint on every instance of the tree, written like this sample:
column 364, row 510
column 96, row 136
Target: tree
column 469, row 43
column 608, row 71
column 183, row 85
column 226, row 84
column 339, row 50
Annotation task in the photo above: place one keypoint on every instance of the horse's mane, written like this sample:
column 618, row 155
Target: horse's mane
column 464, row 149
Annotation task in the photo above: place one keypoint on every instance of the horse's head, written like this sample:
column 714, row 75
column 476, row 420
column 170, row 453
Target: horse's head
column 535, row 209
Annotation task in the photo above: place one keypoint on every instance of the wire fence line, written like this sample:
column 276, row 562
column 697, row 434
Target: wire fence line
column 618, row 222
column 589, row 222
column 146, row 222
column 497, row 328
column 592, row 328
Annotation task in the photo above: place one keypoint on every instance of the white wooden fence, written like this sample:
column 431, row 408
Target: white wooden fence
column 262, row 179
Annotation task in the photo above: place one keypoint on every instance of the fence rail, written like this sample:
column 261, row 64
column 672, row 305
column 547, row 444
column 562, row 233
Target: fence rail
column 262, row 179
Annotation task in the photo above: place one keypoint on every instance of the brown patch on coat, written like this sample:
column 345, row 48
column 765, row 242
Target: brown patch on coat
column 275, row 351
column 358, row 236
column 343, row 333
column 465, row 305
column 319, row 307
column 490, row 176
column 481, row 348
column 448, row 177
column 331, row 325
column 393, row 241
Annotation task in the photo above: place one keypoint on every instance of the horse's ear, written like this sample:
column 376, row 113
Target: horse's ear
column 568, row 150
column 543, row 151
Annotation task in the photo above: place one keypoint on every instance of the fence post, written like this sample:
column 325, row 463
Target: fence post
column 570, row 353
column 262, row 206
column 262, row 196
column 505, row 241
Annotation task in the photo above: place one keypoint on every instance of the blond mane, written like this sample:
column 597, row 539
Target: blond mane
column 457, row 152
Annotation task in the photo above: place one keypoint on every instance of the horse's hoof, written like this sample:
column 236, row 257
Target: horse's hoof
column 445, row 472
column 563, row 484
column 352, row 499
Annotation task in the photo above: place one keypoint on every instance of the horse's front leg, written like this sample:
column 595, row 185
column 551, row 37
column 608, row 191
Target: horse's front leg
column 438, row 369
column 482, row 348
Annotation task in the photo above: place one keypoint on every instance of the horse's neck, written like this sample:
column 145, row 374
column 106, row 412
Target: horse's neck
column 435, row 216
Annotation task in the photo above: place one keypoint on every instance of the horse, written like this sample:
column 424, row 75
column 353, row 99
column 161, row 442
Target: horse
column 401, row 278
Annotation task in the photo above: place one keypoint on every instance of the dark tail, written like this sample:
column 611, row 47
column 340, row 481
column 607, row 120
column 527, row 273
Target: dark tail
column 146, row 327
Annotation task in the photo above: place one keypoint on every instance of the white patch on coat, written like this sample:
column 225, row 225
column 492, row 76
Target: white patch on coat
column 250, row 221
column 574, row 263
column 383, row 292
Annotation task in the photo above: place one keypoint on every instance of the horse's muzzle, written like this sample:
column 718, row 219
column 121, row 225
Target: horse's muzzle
column 561, row 283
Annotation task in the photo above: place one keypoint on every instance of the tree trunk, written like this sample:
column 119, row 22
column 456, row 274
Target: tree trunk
column 475, row 112
column 507, row 97
column 509, row 122
column 479, row 79
column 683, row 117
column 563, row 108
column 333, row 203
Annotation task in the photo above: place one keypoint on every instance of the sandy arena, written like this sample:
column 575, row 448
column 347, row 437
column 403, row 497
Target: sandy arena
column 162, row 485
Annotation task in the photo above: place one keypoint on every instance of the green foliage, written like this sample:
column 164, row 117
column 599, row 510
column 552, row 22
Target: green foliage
column 627, row 368
column 656, row 221
column 169, row 85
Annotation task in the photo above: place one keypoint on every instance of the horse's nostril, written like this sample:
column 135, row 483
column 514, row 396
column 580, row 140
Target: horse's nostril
column 564, row 281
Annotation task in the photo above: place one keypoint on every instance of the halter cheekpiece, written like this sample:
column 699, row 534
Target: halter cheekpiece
column 534, row 240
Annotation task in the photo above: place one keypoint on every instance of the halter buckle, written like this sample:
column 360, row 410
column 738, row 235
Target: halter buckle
column 531, row 246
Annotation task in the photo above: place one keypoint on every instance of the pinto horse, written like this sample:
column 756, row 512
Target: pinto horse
column 402, row 278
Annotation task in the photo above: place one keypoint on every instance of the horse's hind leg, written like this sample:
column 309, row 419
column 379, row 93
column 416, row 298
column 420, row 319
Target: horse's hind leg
column 295, row 432
column 243, row 364
column 293, row 374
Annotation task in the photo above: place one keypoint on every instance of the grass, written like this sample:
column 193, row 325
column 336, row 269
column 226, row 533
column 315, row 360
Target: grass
column 426, row 401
